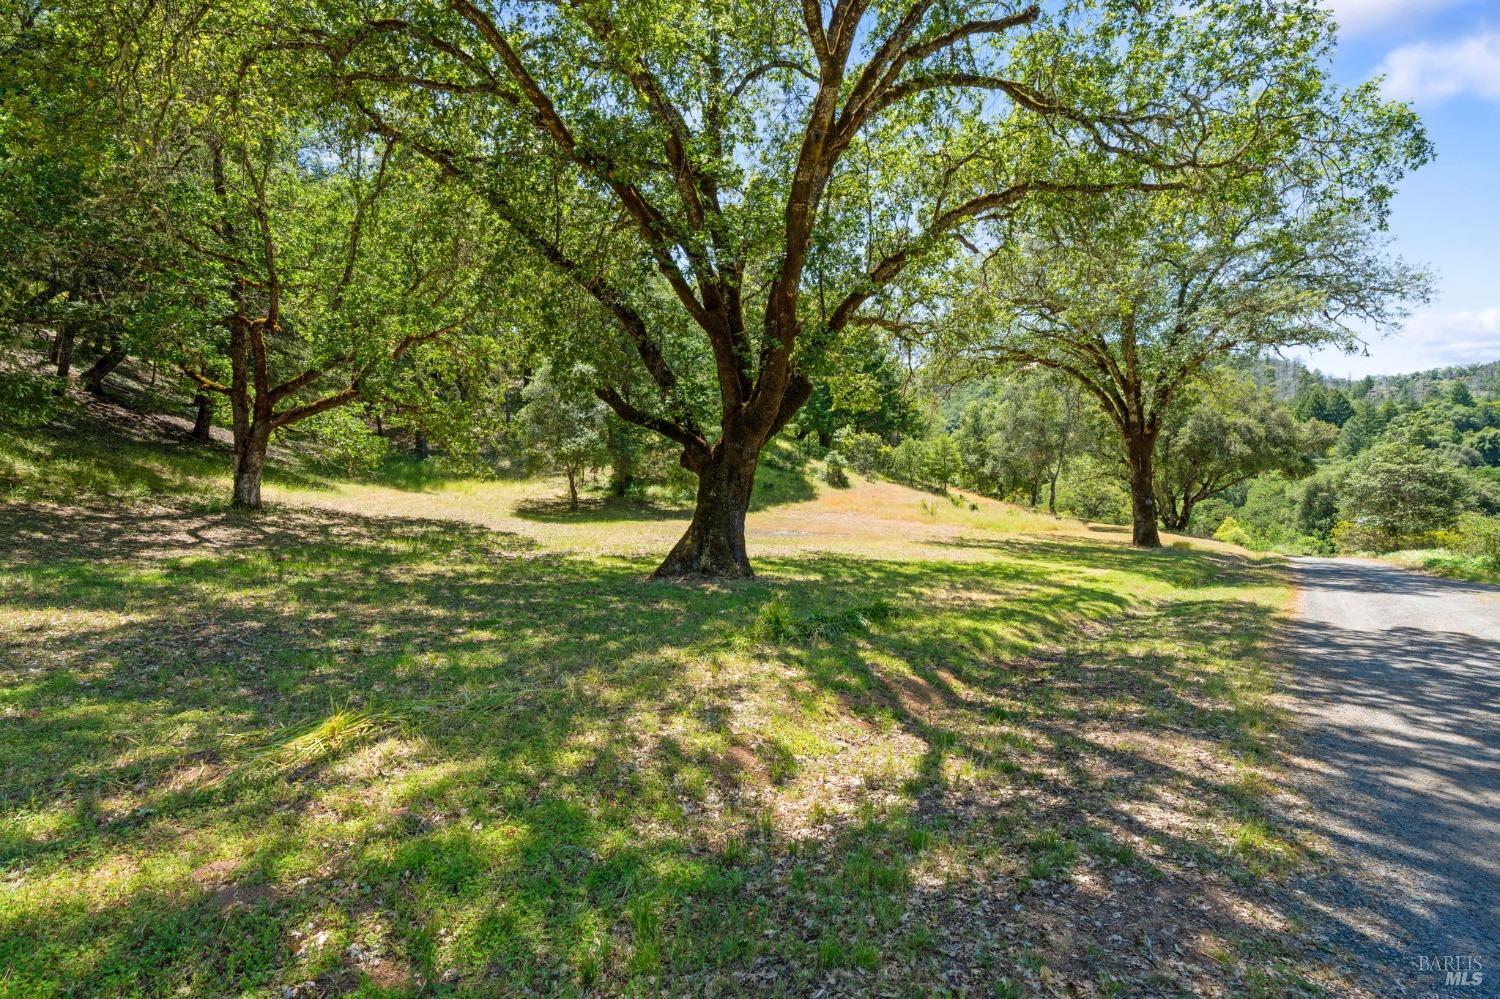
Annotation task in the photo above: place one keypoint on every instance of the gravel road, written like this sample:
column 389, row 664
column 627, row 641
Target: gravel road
column 1398, row 683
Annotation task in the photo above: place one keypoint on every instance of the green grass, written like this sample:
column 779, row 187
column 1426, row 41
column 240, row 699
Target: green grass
column 76, row 459
column 398, row 755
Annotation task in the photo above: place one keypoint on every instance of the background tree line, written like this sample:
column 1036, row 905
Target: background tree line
column 1325, row 470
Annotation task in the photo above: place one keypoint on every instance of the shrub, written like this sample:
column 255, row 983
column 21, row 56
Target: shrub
column 1208, row 515
column 1396, row 495
column 865, row 452
column 1354, row 536
column 1478, row 536
column 809, row 448
column 343, row 440
column 1232, row 532
column 907, row 461
column 1092, row 493
column 28, row 400
column 941, row 462
column 833, row 471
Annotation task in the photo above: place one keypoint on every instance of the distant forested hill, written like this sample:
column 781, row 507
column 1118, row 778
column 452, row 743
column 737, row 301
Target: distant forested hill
column 1287, row 377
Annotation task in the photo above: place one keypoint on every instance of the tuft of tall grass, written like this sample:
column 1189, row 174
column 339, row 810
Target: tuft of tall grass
column 315, row 743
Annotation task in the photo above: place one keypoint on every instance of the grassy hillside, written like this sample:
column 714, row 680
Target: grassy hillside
column 439, row 737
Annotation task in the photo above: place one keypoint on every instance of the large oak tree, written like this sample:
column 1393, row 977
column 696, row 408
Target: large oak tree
column 732, row 184
column 1137, row 299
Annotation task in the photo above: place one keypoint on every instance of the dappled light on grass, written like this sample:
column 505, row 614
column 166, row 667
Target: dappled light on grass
column 426, row 755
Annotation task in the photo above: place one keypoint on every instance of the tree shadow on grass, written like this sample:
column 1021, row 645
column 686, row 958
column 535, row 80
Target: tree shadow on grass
column 776, row 485
column 491, row 770
column 409, row 473
column 599, row 510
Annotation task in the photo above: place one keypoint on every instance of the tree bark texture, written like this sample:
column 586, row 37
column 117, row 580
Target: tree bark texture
column 64, row 354
column 1143, row 532
column 714, row 544
column 249, row 463
column 203, row 420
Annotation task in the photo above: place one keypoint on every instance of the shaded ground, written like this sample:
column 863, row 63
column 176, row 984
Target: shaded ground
column 1399, row 688
column 330, row 753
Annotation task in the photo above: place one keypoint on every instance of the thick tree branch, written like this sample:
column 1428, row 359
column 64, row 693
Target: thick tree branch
column 688, row 437
column 322, row 405
column 203, row 381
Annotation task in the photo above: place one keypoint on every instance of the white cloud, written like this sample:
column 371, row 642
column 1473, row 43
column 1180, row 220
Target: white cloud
column 1435, row 71
column 1363, row 15
column 1454, row 337
column 1429, row 340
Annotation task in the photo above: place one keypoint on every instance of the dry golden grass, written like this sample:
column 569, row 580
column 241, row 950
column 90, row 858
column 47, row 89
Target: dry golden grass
column 871, row 518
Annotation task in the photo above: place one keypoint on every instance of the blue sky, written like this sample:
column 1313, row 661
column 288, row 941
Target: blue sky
column 1444, row 57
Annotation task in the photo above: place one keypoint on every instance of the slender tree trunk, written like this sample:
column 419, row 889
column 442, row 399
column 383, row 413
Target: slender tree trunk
column 63, row 349
column 203, row 421
column 572, row 488
column 249, row 462
column 1138, row 451
column 106, row 363
column 1052, row 494
column 714, row 545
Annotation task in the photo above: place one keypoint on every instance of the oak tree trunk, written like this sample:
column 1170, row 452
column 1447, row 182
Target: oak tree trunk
column 1143, row 532
column 714, row 545
column 101, row 368
column 249, row 463
column 572, row 488
column 203, row 421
